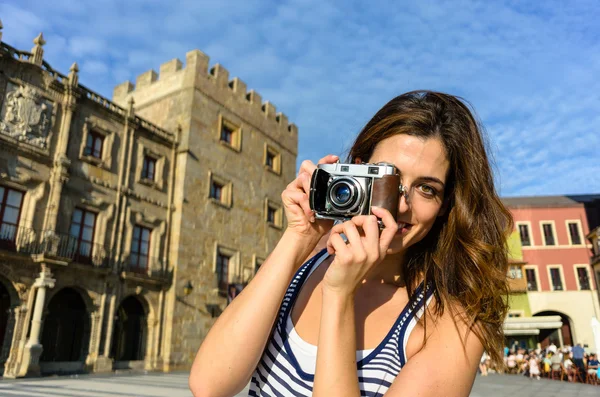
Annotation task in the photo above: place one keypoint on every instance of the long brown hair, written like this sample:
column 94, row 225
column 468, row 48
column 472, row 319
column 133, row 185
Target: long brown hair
column 465, row 255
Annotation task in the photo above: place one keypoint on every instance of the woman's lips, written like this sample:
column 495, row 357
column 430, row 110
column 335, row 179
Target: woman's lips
column 403, row 227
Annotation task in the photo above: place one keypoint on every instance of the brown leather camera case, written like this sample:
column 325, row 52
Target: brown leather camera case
column 386, row 192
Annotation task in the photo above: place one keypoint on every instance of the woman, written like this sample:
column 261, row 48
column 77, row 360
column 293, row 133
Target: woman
column 381, row 310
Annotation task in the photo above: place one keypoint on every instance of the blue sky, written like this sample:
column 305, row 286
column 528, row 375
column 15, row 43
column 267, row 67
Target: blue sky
column 530, row 69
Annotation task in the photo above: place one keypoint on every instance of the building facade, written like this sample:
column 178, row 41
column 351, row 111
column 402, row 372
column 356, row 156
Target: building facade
column 123, row 225
column 559, row 279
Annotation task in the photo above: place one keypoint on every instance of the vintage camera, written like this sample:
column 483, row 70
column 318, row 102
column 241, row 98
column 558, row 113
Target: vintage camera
column 342, row 191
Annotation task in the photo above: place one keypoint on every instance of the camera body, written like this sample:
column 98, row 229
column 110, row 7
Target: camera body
column 342, row 191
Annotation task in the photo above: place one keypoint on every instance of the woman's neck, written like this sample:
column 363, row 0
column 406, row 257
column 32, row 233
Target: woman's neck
column 387, row 271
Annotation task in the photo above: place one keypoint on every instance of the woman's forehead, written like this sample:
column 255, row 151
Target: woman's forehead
column 414, row 156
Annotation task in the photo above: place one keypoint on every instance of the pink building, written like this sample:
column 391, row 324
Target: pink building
column 560, row 279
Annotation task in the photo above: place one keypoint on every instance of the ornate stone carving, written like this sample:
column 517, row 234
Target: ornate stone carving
column 26, row 116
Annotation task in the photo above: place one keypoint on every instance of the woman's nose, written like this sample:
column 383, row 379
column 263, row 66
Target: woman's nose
column 404, row 201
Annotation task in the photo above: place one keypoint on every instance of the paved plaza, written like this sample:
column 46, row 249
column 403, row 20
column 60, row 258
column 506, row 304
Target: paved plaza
column 175, row 385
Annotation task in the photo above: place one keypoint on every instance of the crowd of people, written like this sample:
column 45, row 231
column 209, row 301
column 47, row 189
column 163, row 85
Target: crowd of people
column 569, row 363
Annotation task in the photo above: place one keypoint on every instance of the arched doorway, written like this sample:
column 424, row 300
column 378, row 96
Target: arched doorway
column 560, row 336
column 65, row 336
column 129, row 337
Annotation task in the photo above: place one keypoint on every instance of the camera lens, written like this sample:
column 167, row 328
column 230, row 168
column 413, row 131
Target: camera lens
column 342, row 193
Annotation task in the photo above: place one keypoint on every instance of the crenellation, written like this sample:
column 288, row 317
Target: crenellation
column 254, row 98
column 145, row 79
column 123, row 89
column 269, row 110
column 239, row 87
column 220, row 74
column 168, row 68
column 197, row 61
column 293, row 129
column 282, row 120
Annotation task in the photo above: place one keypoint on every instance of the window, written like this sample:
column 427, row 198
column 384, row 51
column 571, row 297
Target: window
column 216, row 191
column 556, row 280
column 515, row 272
column 140, row 248
column 82, row 229
column 222, row 270
column 149, row 168
column 220, row 190
column 10, row 213
column 548, row 234
column 515, row 314
column 532, row 284
column 525, row 235
column 583, row 277
column 272, row 159
column 230, row 134
column 226, row 134
column 273, row 214
column 574, row 233
column 93, row 145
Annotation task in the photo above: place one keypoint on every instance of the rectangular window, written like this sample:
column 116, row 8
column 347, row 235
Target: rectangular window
column 584, row 279
column 531, row 280
column 514, row 315
column 216, row 191
column 515, row 272
column 149, row 168
column 548, row 234
column 226, row 134
column 556, row 280
column 574, row 233
column 10, row 213
column 524, row 233
column 273, row 214
column 93, row 145
column 82, row 229
column 140, row 248
column 272, row 159
column 222, row 270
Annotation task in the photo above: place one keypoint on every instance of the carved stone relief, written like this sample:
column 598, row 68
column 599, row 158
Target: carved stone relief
column 26, row 115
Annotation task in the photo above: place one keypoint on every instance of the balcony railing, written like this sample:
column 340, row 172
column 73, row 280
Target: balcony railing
column 63, row 246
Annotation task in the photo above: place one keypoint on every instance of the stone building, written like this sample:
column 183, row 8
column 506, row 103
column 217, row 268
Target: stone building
column 124, row 223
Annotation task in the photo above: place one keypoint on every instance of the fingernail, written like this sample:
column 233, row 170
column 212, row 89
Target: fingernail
column 312, row 219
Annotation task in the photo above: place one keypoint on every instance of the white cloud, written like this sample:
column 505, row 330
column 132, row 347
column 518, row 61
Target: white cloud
column 530, row 69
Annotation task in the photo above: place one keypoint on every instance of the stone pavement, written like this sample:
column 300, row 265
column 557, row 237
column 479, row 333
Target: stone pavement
column 175, row 385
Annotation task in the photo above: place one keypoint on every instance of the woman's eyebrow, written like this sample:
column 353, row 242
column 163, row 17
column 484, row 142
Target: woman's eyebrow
column 431, row 179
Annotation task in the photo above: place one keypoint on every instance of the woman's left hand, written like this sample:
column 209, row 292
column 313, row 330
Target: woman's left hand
column 353, row 260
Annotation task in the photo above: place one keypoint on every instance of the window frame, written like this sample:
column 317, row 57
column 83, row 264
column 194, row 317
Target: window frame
column 94, row 134
column 561, row 276
column 79, row 257
column 137, row 266
column 527, row 224
column 236, row 133
column 579, row 227
column 233, row 255
column 589, row 279
column 270, row 151
column 145, row 173
column 554, row 235
column 536, row 272
column 3, row 205
column 278, row 213
column 226, row 199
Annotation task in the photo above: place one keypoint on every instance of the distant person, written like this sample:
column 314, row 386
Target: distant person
column 445, row 252
column 578, row 353
column 552, row 348
column 483, row 364
column 592, row 364
column 534, row 368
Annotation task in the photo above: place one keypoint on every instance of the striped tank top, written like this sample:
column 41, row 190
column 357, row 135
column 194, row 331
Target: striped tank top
column 287, row 366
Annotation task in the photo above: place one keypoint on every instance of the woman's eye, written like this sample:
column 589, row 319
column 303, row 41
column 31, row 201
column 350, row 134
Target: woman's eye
column 427, row 190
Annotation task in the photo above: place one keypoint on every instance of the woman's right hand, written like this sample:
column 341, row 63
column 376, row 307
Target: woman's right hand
column 300, row 218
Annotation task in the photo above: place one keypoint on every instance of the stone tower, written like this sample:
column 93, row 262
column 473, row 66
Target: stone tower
column 236, row 155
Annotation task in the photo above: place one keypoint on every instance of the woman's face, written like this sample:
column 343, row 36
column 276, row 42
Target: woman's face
column 423, row 167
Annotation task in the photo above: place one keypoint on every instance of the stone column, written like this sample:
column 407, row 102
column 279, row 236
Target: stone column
column 11, row 367
column 30, row 365
column 104, row 363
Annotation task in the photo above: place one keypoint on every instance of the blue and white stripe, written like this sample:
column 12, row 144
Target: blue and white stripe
column 280, row 374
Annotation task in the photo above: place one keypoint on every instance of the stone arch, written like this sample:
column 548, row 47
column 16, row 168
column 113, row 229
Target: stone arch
column 66, row 330
column 564, row 335
column 131, row 331
column 9, row 299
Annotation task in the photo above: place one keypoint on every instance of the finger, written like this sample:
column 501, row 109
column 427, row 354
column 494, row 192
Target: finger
column 299, row 198
column 353, row 236
column 305, row 179
column 390, row 227
column 370, row 228
column 336, row 245
column 329, row 159
column 307, row 166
